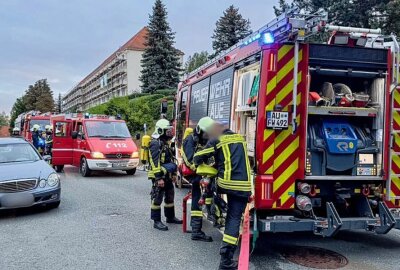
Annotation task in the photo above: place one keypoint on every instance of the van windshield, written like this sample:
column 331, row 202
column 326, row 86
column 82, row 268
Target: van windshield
column 42, row 124
column 107, row 129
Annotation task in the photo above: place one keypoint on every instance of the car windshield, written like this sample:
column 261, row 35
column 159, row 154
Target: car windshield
column 17, row 152
column 107, row 129
column 41, row 123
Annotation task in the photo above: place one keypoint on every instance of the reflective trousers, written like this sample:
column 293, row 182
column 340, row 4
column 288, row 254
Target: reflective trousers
column 167, row 193
column 236, row 207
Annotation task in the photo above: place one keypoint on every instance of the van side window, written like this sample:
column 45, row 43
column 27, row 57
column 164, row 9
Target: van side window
column 79, row 129
column 61, row 129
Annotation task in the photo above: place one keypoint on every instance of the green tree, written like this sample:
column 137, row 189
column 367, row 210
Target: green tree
column 58, row 106
column 18, row 108
column 39, row 97
column 355, row 13
column 282, row 7
column 160, row 60
column 196, row 60
column 230, row 28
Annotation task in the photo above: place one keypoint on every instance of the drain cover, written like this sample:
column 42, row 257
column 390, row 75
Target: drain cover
column 314, row 257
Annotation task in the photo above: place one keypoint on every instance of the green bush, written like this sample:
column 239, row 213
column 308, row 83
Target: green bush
column 138, row 109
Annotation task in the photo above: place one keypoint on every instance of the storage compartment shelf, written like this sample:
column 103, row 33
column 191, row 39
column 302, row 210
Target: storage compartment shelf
column 345, row 111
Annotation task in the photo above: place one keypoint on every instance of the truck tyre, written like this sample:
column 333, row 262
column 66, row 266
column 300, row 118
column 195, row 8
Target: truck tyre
column 131, row 172
column 84, row 168
column 59, row 168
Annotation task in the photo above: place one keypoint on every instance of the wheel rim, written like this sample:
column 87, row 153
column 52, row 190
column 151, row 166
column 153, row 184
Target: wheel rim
column 83, row 167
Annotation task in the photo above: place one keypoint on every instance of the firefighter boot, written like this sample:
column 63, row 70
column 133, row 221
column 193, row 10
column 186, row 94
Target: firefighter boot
column 227, row 262
column 160, row 226
column 197, row 233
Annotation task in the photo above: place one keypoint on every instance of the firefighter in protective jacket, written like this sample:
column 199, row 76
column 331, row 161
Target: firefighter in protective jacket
column 192, row 143
column 162, row 172
column 234, row 180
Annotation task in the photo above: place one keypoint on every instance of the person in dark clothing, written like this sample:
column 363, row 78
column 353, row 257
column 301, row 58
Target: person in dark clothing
column 35, row 136
column 233, row 179
column 192, row 143
column 162, row 172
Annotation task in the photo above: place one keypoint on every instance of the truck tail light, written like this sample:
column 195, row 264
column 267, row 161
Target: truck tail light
column 304, row 203
column 304, row 188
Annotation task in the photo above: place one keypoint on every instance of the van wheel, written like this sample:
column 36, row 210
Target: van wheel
column 84, row 168
column 131, row 172
column 59, row 168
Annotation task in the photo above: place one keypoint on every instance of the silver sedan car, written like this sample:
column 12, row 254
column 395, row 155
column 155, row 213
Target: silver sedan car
column 26, row 178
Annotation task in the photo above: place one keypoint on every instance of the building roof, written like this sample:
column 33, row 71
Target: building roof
column 136, row 43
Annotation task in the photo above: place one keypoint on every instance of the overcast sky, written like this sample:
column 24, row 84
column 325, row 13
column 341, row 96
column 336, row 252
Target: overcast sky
column 63, row 40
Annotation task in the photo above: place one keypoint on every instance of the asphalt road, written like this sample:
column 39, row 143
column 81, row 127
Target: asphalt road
column 104, row 223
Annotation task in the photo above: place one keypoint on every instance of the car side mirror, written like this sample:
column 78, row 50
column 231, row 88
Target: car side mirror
column 74, row 134
column 137, row 136
column 47, row 158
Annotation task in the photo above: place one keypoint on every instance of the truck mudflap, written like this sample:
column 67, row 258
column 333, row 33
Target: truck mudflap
column 333, row 223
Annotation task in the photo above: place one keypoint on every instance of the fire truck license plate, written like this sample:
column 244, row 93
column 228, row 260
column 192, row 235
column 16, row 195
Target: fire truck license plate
column 277, row 120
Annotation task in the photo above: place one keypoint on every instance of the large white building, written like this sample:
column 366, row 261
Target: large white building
column 117, row 76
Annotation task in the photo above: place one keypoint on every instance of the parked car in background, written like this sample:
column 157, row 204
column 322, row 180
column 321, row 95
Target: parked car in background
column 26, row 178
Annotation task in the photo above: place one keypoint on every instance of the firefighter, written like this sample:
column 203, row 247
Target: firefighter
column 162, row 172
column 49, row 139
column 192, row 143
column 233, row 179
column 15, row 132
column 35, row 135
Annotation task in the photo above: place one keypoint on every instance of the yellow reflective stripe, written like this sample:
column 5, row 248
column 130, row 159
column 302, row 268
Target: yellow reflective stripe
column 190, row 165
column 194, row 213
column 236, row 188
column 231, row 137
column 204, row 151
column 169, row 205
column 208, row 200
column 155, row 207
column 234, row 182
column 163, row 170
column 230, row 239
column 227, row 162
column 235, row 139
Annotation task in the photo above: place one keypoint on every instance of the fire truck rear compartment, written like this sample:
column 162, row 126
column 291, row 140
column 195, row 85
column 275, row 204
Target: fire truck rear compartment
column 344, row 183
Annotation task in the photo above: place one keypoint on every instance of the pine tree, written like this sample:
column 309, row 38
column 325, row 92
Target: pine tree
column 17, row 109
column 230, row 28
column 160, row 60
column 58, row 105
column 196, row 60
column 283, row 6
column 39, row 97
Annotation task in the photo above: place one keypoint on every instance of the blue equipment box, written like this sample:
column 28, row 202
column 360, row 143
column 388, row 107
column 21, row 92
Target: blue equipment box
column 339, row 137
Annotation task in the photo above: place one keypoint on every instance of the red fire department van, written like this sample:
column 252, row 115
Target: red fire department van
column 321, row 122
column 26, row 121
column 93, row 143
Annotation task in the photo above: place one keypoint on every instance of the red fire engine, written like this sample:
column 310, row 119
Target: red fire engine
column 321, row 121
column 93, row 142
column 26, row 121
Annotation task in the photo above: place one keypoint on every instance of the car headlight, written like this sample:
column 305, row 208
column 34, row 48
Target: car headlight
column 53, row 180
column 135, row 155
column 97, row 155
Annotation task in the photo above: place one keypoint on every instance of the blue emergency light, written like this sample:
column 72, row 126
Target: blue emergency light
column 268, row 38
